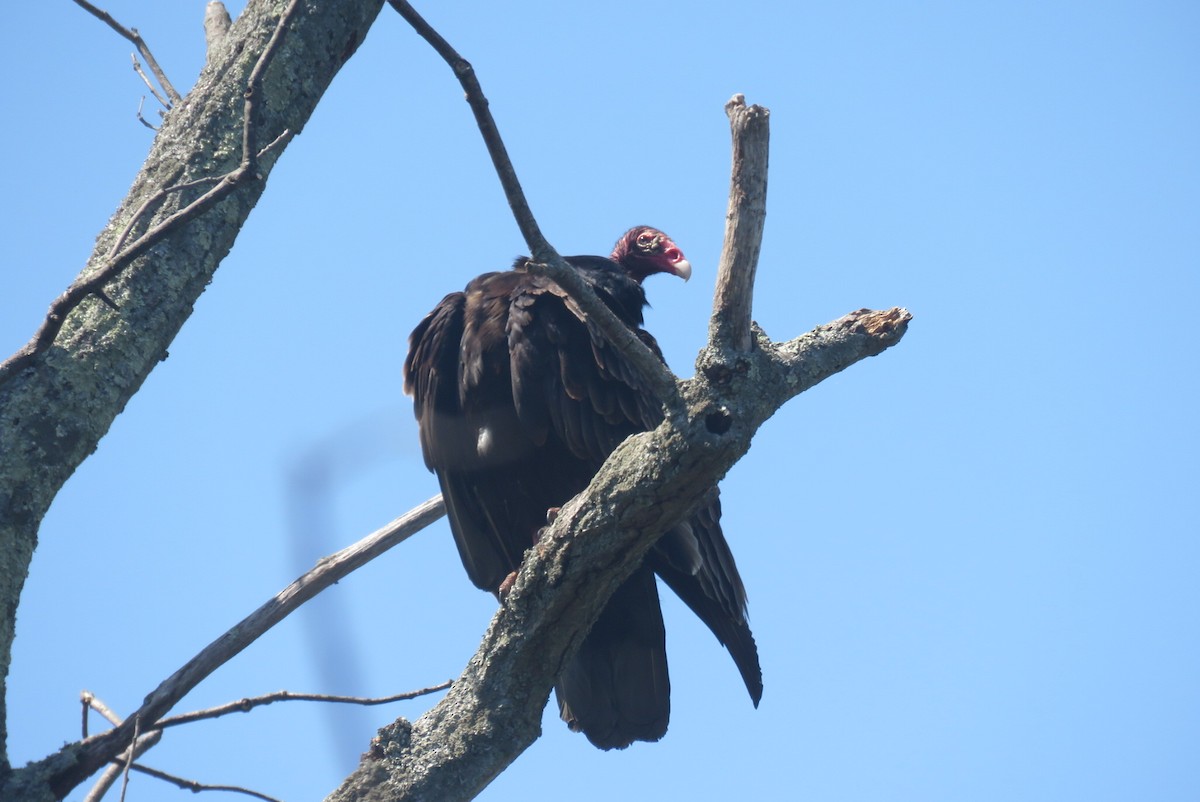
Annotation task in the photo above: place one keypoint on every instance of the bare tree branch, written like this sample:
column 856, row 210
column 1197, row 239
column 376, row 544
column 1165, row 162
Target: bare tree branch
column 137, row 67
column 538, row 246
column 128, row 757
column 63, row 400
column 120, row 767
column 730, row 324
column 141, row 119
column 91, row 284
column 546, row 260
column 196, row 787
column 493, row 711
column 248, row 704
column 99, row 749
column 132, row 35
column 216, row 25
column 92, row 702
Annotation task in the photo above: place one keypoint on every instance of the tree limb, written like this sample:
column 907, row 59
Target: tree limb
column 120, row 766
column 248, row 704
column 133, row 36
column 197, row 787
column 120, row 331
column 546, row 260
column 94, row 752
column 63, row 399
column 137, row 67
column 538, row 246
column 216, row 25
column 492, row 713
column 120, row 257
column 744, row 222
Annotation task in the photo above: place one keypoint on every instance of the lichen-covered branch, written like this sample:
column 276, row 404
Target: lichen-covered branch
column 750, row 130
column 204, row 174
column 216, row 25
column 57, row 406
column 492, row 713
column 546, row 260
column 328, row 571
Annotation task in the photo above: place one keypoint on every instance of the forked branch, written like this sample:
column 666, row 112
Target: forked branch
column 65, row 396
column 493, row 711
column 132, row 35
column 122, row 765
column 99, row 749
column 93, row 283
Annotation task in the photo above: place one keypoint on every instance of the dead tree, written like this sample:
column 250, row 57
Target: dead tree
column 204, row 174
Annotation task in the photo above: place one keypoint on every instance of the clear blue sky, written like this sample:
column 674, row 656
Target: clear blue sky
column 972, row 562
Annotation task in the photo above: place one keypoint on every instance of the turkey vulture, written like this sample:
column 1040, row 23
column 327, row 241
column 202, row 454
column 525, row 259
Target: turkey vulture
column 519, row 399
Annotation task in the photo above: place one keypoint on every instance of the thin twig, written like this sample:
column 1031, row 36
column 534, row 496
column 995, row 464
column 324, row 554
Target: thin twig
column 99, row 749
column 254, row 89
column 147, row 204
column 546, row 261
column 116, row 768
column 216, row 25
column 137, row 723
column 84, row 286
column 196, row 787
column 141, row 119
column 132, row 35
column 487, row 126
column 119, row 767
column 246, row 705
column 90, row 700
column 137, row 67
column 284, row 137
column 65, row 303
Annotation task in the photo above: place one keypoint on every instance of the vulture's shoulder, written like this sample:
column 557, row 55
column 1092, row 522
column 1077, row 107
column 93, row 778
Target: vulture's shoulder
column 566, row 376
column 516, row 339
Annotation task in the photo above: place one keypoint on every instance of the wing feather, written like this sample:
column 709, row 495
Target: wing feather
column 519, row 398
column 714, row 591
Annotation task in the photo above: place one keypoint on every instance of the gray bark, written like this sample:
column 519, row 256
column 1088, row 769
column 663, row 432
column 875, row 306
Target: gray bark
column 55, row 407
column 493, row 711
column 57, row 403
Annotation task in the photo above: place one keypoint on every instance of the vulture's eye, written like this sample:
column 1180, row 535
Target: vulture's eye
column 645, row 239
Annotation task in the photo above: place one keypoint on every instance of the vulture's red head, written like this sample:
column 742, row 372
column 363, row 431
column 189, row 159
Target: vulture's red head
column 643, row 251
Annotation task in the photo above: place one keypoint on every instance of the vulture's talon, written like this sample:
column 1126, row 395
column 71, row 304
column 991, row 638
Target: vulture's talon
column 506, row 586
column 520, row 395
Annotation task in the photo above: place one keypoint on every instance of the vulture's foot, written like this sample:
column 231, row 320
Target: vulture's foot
column 506, row 586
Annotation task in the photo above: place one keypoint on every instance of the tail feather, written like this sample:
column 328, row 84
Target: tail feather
column 616, row 689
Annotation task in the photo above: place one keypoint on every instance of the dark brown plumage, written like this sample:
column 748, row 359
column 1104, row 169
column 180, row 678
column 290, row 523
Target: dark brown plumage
column 519, row 400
